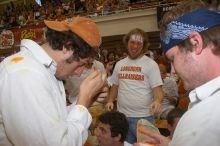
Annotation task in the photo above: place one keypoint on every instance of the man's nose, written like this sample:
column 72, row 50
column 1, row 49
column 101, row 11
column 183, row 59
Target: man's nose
column 135, row 45
column 96, row 132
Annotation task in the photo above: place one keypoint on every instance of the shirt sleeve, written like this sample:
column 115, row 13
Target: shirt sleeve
column 114, row 77
column 154, row 75
column 33, row 114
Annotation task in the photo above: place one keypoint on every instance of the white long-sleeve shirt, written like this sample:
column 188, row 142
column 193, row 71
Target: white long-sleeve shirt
column 199, row 126
column 33, row 108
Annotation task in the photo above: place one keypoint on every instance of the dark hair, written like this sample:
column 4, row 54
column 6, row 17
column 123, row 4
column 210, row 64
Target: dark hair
column 68, row 39
column 140, row 32
column 174, row 113
column 118, row 123
column 109, row 53
column 211, row 35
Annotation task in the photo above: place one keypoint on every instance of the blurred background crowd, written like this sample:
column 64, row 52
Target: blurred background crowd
column 19, row 14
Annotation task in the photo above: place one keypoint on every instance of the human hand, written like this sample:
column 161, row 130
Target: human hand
column 109, row 106
column 90, row 87
column 153, row 138
column 101, row 97
column 156, row 108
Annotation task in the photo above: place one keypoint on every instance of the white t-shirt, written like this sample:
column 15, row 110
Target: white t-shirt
column 199, row 126
column 135, row 80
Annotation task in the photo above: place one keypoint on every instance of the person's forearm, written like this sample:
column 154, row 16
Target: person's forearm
column 82, row 100
column 113, row 93
column 79, row 120
column 158, row 94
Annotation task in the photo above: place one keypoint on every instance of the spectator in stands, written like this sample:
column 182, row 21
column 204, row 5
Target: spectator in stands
column 21, row 19
column 124, row 55
column 183, row 102
column 12, row 6
column 112, row 129
column 104, row 53
column 30, row 18
column 123, row 3
column 91, row 6
column 194, row 51
column 5, row 21
column 136, row 84
column 66, row 7
column 133, row 1
column 173, row 118
column 111, row 63
column 59, row 13
column 156, row 55
column 170, row 90
column 33, row 108
column 13, row 22
column 107, row 6
column 7, row 11
column 1, row 22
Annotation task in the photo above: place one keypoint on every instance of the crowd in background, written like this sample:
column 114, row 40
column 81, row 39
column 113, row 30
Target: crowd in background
column 126, row 72
column 31, row 14
column 22, row 15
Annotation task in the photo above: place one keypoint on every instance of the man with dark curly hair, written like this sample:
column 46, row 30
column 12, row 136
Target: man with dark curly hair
column 112, row 129
column 33, row 108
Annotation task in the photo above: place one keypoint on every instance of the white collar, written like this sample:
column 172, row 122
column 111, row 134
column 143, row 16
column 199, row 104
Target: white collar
column 39, row 53
column 204, row 91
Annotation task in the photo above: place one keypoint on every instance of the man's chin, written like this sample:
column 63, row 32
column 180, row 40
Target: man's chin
column 187, row 86
column 60, row 78
column 134, row 56
column 131, row 56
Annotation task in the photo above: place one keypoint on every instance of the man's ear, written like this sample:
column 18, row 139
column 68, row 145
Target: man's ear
column 117, row 138
column 67, row 52
column 197, row 42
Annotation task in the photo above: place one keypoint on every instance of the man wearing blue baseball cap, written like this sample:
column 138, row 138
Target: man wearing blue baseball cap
column 190, row 37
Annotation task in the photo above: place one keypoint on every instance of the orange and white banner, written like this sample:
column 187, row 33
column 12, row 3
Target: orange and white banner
column 12, row 37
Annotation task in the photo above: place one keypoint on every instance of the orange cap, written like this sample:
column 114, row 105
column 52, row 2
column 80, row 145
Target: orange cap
column 84, row 27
